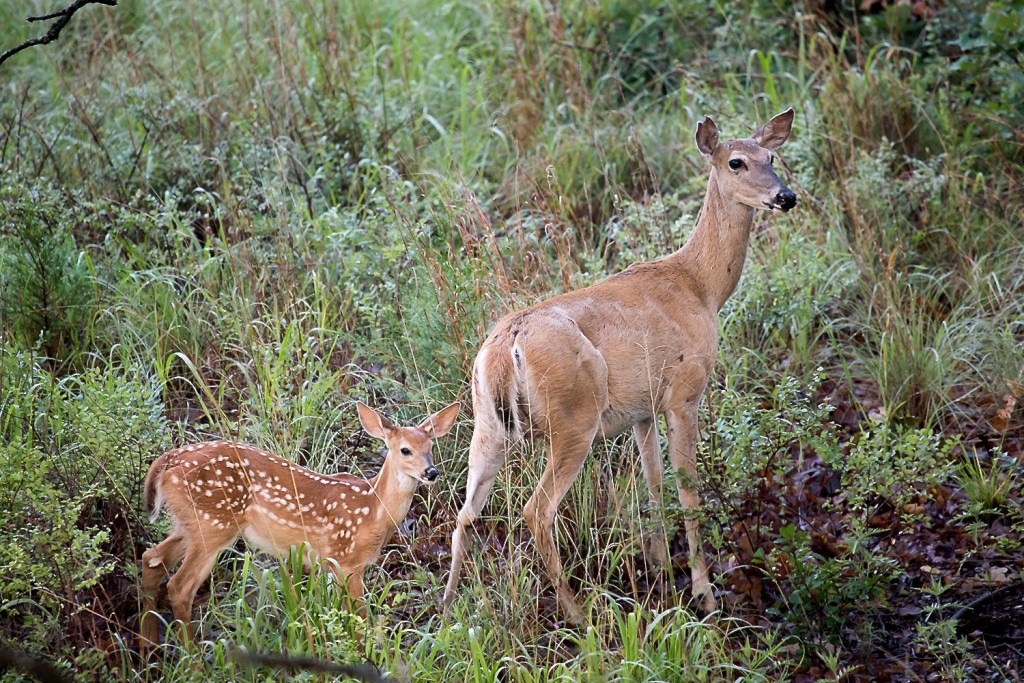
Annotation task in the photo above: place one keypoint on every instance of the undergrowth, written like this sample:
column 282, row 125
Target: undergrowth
column 235, row 220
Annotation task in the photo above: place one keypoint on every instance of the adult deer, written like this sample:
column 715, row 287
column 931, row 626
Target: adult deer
column 220, row 490
column 615, row 355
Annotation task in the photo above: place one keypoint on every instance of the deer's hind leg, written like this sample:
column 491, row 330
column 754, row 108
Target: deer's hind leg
column 201, row 553
column 486, row 454
column 568, row 450
column 567, row 384
column 157, row 563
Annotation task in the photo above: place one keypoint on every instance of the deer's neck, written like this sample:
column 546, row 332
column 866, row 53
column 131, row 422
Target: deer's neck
column 715, row 252
column 392, row 492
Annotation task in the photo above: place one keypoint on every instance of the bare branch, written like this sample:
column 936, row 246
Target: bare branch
column 292, row 663
column 16, row 660
column 62, row 18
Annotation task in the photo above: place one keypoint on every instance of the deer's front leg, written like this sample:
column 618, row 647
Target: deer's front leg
column 646, row 435
column 354, row 583
column 682, row 439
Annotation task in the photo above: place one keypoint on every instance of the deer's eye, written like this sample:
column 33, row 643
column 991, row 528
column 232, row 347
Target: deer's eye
column 405, row 451
column 735, row 164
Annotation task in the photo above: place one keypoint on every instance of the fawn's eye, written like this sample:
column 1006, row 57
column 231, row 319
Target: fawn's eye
column 735, row 164
column 405, row 451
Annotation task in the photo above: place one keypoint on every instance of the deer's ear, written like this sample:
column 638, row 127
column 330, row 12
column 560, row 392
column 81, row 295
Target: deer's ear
column 441, row 422
column 776, row 131
column 373, row 422
column 707, row 136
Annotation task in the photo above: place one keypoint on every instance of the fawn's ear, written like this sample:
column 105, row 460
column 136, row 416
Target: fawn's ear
column 776, row 131
column 707, row 136
column 373, row 422
column 441, row 422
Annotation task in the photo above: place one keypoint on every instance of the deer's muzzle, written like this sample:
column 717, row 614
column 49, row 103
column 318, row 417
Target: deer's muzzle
column 785, row 199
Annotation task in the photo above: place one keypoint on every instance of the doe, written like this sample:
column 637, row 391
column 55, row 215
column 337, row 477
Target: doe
column 613, row 356
column 220, row 490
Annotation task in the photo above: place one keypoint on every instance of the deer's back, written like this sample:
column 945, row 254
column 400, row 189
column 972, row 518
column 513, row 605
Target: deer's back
column 631, row 344
column 274, row 503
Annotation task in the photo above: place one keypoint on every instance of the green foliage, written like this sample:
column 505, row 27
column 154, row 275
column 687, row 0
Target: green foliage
column 307, row 612
column 892, row 467
column 784, row 310
column 750, row 442
column 825, row 594
column 623, row 643
column 883, row 476
column 47, row 557
column 45, row 288
column 990, row 487
column 939, row 637
column 372, row 255
column 886, row 471
column 642, row 43
column 985, row 58
column 70, row 478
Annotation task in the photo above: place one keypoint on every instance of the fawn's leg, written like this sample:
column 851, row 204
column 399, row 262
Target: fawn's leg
column 157, row 563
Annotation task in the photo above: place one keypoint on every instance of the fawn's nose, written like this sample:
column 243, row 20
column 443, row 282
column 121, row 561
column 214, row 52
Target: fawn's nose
column 786, row 199
column 431, row 474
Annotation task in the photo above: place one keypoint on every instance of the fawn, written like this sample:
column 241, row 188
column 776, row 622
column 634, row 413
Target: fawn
column 220, row 490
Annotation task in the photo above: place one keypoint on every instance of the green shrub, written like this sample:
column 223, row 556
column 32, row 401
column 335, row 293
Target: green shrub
column 757, row 451
column 46, row 294
column 71, row 466
column 892, row 467
column 824, row 594
column 48, row 558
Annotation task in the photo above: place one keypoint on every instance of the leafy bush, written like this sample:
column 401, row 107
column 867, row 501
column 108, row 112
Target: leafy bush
column 891, row 468
column 71, row 466
column 762, row 455
column 783, row 313
column 45, row 289
column 825, row 593
column 47, row 557
column 984, row 44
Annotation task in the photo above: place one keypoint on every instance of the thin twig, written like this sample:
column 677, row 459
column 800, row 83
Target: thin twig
column 985, row 598
column 62, row 16
column 16, row 660
column 292, row 663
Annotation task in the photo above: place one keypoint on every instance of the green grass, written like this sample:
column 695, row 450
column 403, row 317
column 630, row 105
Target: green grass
column 238, row 219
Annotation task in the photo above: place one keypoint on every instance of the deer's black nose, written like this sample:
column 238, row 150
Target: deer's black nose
column 431, row 474
column 786, row 199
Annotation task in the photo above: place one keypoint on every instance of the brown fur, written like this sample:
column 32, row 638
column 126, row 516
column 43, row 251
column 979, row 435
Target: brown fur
column 613, row 356
column 220, row 490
